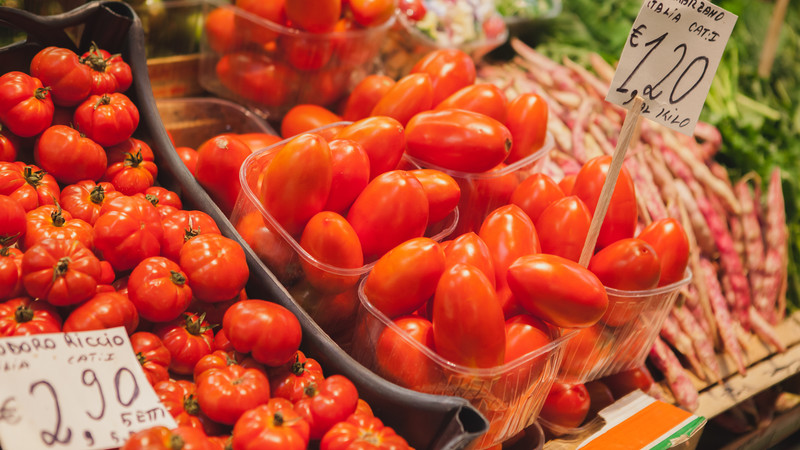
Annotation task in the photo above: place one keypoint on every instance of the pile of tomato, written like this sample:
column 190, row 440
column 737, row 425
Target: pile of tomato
column 90, row 241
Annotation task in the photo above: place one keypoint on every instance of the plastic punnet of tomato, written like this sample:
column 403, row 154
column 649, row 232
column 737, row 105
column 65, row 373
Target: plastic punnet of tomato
column 270, row 57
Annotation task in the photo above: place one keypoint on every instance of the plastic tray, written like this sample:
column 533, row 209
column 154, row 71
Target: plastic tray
column 426, row 421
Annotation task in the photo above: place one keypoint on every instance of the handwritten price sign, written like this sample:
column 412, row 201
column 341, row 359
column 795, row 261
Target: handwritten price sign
column 74, row 391
column 670, row 60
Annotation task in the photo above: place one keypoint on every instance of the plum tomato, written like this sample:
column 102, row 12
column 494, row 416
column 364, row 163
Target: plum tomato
column 449, row 69
column 628, row 264
column 671, row 244
column 403, row 363
column 442, row 191
column 217, row 169
column 411, row 95
column 383, row 138
column 562, row 227
column 469, row 248
column 566, row 405
column 509, row 234
column 330, row 241
column 524, row 334
column 365, row 96
column 484, row 98
column 526, row 120
column 302, row 118
column 536, row 193
column 316, row 16
column 350, row 164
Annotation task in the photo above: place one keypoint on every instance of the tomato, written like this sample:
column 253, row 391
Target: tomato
column 585, row 351
column 362, row 431
column 267, row 330
column 536, row 193
column 566, row 184
column 153, row 356
column 109, row 72
column 442, row 191
column 484, row 98
column 404, row 278
column 524, row 334
column 254, row 31
column 526, row 119
column 217, row 170
column 219, row 359
column 22, row 316
column 334, row 313
column 26, row 107
column 315, row 16
column 403, row 363
column 181, row 226
column 411, row 95
column 10, row 273
column 158, row 288
column 127, row 231
column 224, row 394
column 566, row 405
column 132, row 176
column 627, row 264
column 304, row 118
column 28, row 185
column 257, row 77
column 383, row 138
column 620, row 219
column 307, row 53
column 273, row 426
column 60, row 271
column 104, row 310
column 188, row 338
column 671, row 244
column 557, row 290
column 327, row 402
column 221, row 29
column 107, row 119
column 162, row 438
column 271, row 247
column 257, row 141
column 392, row 209
column 332, row 242
column 562, row 227
column 164, row 196
column 188, row 156
column 350, row 173
column 470, row 249
column 365, row 95
column 600, row 396
column 12, row 220
column 10, row 145
column 84, row 199
column 50, row 222
column 178, row 396
column 457, row 140
column 297, row 181
column 123, row 150
column 627, row 381
column 449, row 69
column 482, row 194
column 215, row 267
column 370, row 13
column 509, row 234
column 70, row 81
column 290, row 380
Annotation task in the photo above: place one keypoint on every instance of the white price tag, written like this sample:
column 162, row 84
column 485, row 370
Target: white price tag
column 670, row 59
column 74, row 391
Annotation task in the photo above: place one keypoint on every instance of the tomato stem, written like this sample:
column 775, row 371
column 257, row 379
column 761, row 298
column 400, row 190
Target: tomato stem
column 23, row 314
column 177, row 278
column 41, row 93
column 310, row 390
column 57, row 217
column 104, row 100
column 152, row 199
column 5, row 244
column 134, row 159
column 141, row 358
column 97, row 195
column 175, row 442
column 190, row 405
column 31, row 177
column 298, row 368
column 194, row 324
column 277, row 419
column 61, row 268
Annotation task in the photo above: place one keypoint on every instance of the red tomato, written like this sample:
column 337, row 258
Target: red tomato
column 179, row 397
column 524, row 334
column 10, row 145
column 271, row 247
column 482, row 194
column 620, row 219
column 133, row 175
column 181, row 226
column 469, row 248
column 392, row 209
column 188, row 338
column 332, row 242
column 153, row 356
column 120, row 152
column 217, row 170
column 307, row 53
column 28, row 185
column 274, row 426
column 600, row 396
column 215, row 266
column 411, row 94
column 84, row 199
column 557, row 290
column 26, row 107
column 158, row 288
column 334, row 313
column 370, row 13
column 60, row 271
column 566, row 405
column 442, row 191
column 450, row 70
column 365, row 96
column 314, row 15
column 221, row 30
column 536, row 193
column 350, row 173
column 671, row 244
column 290, row 380
column 362, row 431
column 383, row 138
column 254, row 75
column 567, row 183
column 584, row 352
column 627, row 264
column 109, row 72
column 457, row 140
column 50, row 222
column 189, row 157
column 254, row 31
column 527, row 122
column 484, row 98
column 104, row 310
column 22, row 316
column 267, row 330
column 468, row 323
column 220, row 359
column 221, row 342
column 10, row 273
column 70, row 81
column 404, row 278
column 327, row 402
column 509, row 234
column 127, row 231
column 12, row 220
column 627, row 381
column 562, row 227
column 107, row 119
column 302, row 118
column 164, row 196
column 226, row 393
column 403, row 363
column 297, row 181
column 162, row 438
column 257, row 141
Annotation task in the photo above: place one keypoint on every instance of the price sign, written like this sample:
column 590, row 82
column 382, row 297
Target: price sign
column 670, row 59
column 74, row 391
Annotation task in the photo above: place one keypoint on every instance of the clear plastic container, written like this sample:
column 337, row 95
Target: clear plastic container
column 622, row 339
column 271, row 68
column 510, row 396
column 482, row 193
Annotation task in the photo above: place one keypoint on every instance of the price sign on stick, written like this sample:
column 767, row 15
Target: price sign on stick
column 81, row 390
column 670, row 59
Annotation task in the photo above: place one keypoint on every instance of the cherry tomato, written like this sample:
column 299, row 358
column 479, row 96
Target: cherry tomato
column 566, row 405
column 84, row 199
column 557, row 290
column 365, row 96
column 215, row 266
column 315, row 16
column 327, row 402
column 536, row 193
column 254, row 75
column 181, row 226
column 274, row 425
column 12, row 220
column 158, row 288
column 404, row 278
column 442, row 191
column 221, row 29
column 109, row 72
column 290, row 380
column 104, row 310
column 524, row 334
column 449, row 69
column 527, row 122
column 468, row 322
column 469, row 248
column 60, row 271
column 401, row 362
column 26, row 107
column 28, row 185
column 107, row 119
column 162, row 438
column 332, row 242
column 10, row 273
column 350, row 173
column 302, row 118
column 362, row 431
column 620, row 219
column 226, row 393
column 413, row 9
column 457, row 140
column 51, row 222
column 671, row 244
column 392, row 209
column 383, row 139
column 411, row 94
column 153, row 356
column 217, row 170
column 22, row 316
column 257, row 141
column 267, row 330
column 627, row 381
column 127, row 231
column 370, row 13
column 70, row 81
column 188, row 338
column 484, row 98
column 562, row 227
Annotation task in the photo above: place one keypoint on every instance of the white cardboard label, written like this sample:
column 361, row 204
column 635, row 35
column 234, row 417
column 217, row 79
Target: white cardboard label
column 81, row 390
column 670, row 59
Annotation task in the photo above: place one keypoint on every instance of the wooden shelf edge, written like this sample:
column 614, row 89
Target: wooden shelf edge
column 780, row 428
